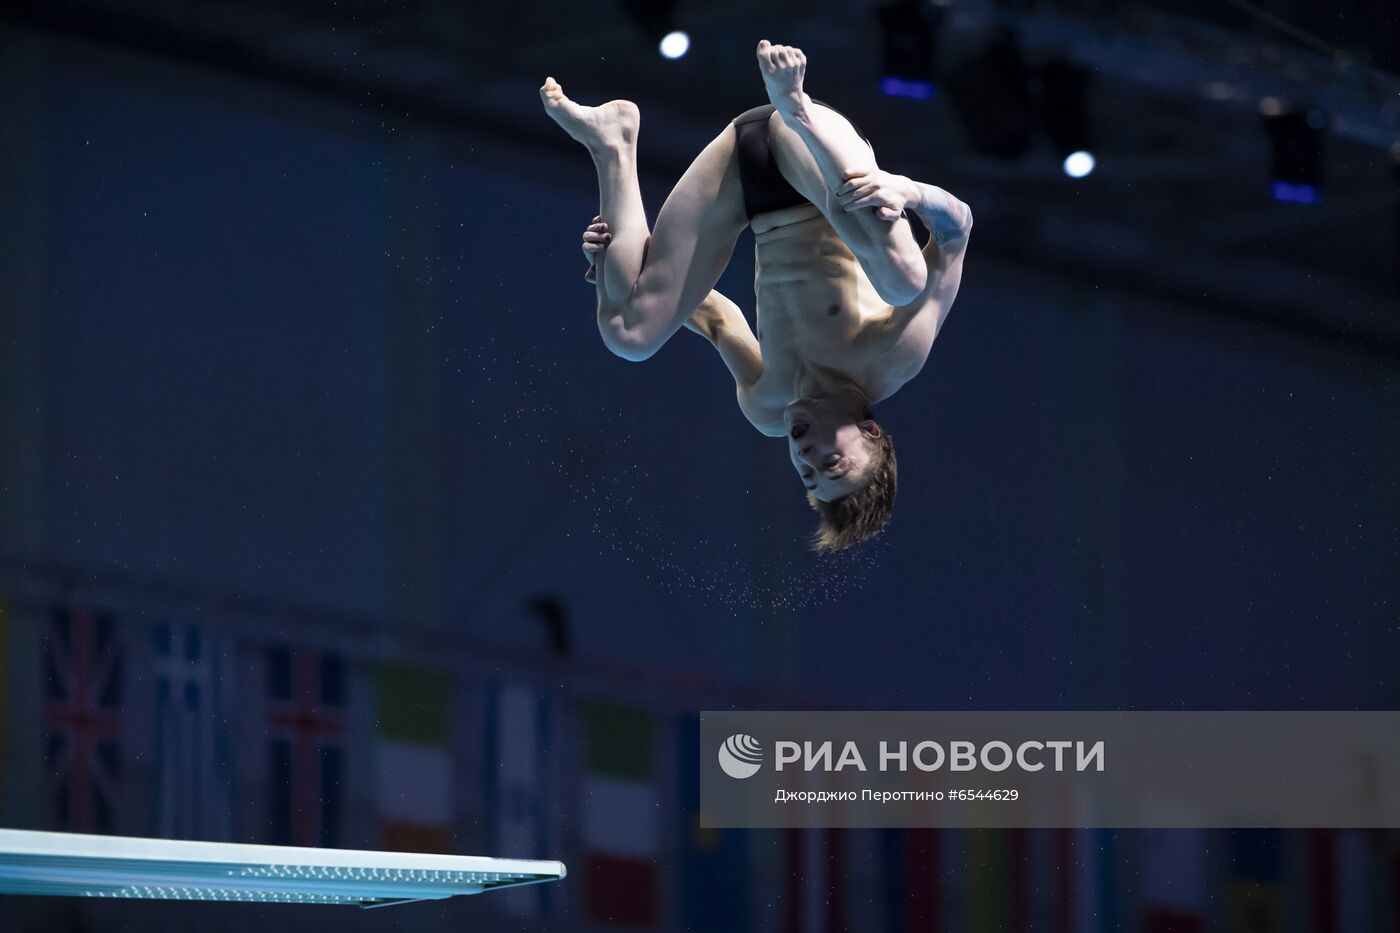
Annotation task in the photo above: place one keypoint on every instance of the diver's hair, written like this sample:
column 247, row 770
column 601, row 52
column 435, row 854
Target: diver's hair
column 862, row 515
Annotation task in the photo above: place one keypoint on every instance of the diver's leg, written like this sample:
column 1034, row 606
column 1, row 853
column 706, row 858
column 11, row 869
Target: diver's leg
column 649, row 287
column 814, row 147
column 609, row 132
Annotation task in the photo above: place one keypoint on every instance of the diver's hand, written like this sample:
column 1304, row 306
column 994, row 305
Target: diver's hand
column 595, row 239
column 886, row 192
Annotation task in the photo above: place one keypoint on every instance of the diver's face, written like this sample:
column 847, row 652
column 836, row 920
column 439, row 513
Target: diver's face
column 832, row 456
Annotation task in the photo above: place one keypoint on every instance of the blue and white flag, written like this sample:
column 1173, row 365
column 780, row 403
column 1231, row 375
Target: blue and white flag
column 519, row 736
column 192, row 772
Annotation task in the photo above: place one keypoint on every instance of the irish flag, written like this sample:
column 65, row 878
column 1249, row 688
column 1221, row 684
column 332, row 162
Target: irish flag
column 621, row 810
column 414, row 768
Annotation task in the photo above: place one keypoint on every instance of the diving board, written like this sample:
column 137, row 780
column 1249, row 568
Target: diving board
column 124, row 867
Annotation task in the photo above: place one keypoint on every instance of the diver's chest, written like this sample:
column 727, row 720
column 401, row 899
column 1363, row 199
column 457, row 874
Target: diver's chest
column 809, row 317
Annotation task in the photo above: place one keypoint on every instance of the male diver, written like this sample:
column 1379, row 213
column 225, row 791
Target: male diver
column 847, row 303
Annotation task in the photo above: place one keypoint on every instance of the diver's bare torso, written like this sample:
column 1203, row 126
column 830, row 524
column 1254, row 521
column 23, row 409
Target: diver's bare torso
column 848, row 303
column 816, row 309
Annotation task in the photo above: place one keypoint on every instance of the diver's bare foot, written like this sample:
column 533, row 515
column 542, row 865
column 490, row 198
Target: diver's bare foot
column 608, row 126
column 783, row 68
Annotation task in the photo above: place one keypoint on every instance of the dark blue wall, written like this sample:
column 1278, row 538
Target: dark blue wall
column 219, row 368
column 269, row 350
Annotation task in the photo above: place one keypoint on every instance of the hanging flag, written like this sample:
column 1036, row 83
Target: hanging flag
column 912, row 880
column 714, row 863
column 1256, row 898
column 5, row 680
column 1061, row 846
column 815, row 889
column 1356, row 894
column 1173, row 880
column 82, row 656
column 306, row 748
column 861, row 899
column 1322, row 875
column 863, row 880
column 519, row 740
column 991, row 888
column 620, row 805
column 1035, row 871
column 1094, row 896
column 1019, row 875
column 1395, row 874
column 193, row 778
column 1042, row 878
column 414, row 778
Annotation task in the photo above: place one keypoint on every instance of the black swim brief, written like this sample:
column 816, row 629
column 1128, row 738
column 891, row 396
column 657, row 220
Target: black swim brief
column 765, row 188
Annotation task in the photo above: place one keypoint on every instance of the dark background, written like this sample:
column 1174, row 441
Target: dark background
column 295, row 353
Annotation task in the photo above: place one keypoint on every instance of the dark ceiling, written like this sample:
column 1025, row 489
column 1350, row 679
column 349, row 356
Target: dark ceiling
column 1179, row 206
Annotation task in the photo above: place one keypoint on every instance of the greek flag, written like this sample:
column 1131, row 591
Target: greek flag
column 193, row 792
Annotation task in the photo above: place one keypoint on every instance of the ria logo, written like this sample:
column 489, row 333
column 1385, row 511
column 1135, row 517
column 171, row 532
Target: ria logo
column 740, row 756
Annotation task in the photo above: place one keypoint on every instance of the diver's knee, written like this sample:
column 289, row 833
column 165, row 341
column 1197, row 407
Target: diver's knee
column 635, row 351
column 624, row 344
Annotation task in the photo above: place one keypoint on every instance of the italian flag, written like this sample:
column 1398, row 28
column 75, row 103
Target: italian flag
column 620, row 810
column 414, row 767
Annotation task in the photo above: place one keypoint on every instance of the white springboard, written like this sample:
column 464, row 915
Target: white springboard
column 75, row 864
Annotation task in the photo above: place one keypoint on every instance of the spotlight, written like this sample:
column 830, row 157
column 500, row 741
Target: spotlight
column 908, row 48
column 674, row 44
column 657, row 21
column 1079, row 164
column 1064, row 92
column 1296, row 139
column 991, row 93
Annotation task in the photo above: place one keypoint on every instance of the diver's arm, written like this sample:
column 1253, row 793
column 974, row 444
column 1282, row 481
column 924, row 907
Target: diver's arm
column 949, row 223
column 914, row 326
column 816, row 150
column 720, row 321
column 819, row 142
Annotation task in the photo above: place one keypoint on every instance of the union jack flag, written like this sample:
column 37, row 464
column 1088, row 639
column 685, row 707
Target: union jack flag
column 82, row 713
column 306, row 750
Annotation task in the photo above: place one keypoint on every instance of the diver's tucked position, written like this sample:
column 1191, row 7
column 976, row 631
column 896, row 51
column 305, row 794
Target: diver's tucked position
column 848, row 304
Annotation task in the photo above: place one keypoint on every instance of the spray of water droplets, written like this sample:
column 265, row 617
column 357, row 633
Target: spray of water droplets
column 722, row 574
column 627, row 522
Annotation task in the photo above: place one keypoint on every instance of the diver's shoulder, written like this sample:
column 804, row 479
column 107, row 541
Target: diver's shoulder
column 764, row 411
